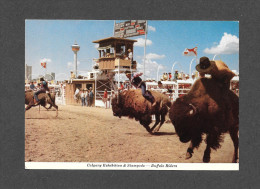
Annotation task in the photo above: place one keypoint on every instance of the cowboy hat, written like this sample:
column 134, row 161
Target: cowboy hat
column 129, row 50
column 127, row 73
column 205, row 65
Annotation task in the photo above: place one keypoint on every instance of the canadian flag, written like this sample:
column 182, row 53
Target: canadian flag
column 190, row 52
column 43, row 64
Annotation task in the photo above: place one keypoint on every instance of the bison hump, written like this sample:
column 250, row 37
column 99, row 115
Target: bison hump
column 135, row 100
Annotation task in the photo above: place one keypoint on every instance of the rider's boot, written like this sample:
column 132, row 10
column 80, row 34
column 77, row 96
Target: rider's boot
column 35, row 101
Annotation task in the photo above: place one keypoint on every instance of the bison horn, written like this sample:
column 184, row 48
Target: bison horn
column 194, row 109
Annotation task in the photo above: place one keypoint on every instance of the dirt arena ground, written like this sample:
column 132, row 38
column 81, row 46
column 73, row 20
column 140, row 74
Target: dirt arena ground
column 85, row 134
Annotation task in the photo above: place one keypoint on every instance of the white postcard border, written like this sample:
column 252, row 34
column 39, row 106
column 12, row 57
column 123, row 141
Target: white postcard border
column 132, row 166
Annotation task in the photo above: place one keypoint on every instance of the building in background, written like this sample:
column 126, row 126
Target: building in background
column 50, row 77
column 53, row 75
column 28, row 72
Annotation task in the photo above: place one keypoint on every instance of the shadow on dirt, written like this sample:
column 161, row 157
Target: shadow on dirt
column 37, row 118
column 164, row 133
column 154, row 134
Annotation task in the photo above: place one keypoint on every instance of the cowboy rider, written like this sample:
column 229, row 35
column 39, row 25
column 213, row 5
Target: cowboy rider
column 217, row 69
column 44, row 88
column 138, row 83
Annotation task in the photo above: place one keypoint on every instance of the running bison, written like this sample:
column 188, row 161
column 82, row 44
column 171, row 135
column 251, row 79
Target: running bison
column 208, row 108
column 44, row 100
column 131, row 103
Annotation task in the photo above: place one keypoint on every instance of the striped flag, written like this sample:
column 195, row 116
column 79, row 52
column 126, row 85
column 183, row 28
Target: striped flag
column 190, row 52
column 43, row 64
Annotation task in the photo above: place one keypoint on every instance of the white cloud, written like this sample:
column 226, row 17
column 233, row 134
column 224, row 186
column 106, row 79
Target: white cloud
column 140, row 42
column 229, row 44
column 151, row 68
column 70, row 65
column 83, row 73
column 151, row 28
column 47, row 60
column 153, row 56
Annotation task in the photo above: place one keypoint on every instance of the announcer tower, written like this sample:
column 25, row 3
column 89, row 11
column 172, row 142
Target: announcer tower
column 75, row 49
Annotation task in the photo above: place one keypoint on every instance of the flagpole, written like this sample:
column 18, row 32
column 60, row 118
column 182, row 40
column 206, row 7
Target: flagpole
column 146, row 29
column 197, row 55
column 114, row 28
column 45, row 69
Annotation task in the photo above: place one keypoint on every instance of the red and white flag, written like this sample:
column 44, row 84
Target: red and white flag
column 43, row 64
column 190, row 52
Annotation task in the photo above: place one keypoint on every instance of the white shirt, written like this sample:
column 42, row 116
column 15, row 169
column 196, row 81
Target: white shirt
column 130, row 55
column 77, row 91
column 82, row 95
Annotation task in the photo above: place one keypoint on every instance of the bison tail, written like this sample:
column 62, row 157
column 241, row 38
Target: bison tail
column 50, row 98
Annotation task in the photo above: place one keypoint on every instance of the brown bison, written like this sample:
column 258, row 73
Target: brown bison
column 131, row 103
column 208, row 108
column 29, row 96
column 44, row 99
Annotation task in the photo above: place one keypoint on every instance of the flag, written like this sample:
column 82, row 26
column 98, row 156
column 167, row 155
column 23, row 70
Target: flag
column 43, row 64
column 190, row 52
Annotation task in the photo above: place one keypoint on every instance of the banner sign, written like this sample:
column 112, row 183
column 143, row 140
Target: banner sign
column 130, row 28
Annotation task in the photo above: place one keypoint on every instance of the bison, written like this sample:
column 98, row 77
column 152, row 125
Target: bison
column 29, row 95
column 131, row 103
column 44, row 98
column 208, row 108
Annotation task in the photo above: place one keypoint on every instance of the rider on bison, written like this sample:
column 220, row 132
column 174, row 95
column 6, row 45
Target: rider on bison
column 44, row 88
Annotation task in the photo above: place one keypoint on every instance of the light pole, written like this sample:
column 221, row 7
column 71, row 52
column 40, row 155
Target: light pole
column 173, row 66
column 190, row 65
column 158, row 73
column 215, row 56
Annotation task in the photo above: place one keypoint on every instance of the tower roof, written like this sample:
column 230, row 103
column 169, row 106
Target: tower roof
column 75, row 46
column 110, row 39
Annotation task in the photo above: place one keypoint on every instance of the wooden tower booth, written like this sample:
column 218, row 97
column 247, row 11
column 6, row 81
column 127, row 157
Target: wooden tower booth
column 114, row 54
column 114, row 58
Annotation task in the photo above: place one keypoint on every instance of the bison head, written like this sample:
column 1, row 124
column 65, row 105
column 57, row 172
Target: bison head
column 183, row 116
column 117, row 106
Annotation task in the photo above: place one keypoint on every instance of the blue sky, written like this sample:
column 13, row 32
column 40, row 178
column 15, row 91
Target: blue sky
column 51, row 40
